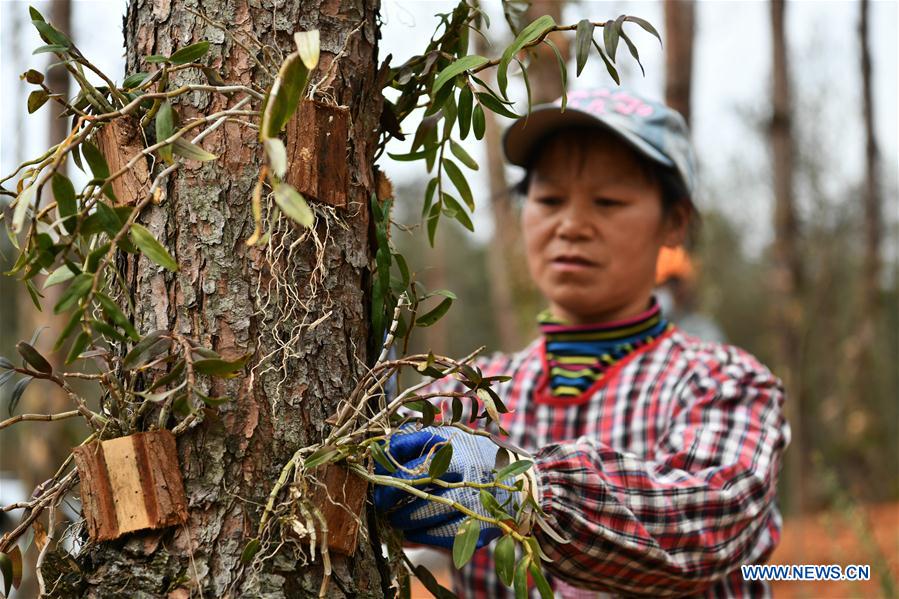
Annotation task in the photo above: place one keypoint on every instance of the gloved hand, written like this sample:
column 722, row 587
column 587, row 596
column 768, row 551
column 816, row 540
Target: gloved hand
column 433, row 523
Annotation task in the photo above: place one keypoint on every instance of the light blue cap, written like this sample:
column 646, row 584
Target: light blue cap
column 650, row 127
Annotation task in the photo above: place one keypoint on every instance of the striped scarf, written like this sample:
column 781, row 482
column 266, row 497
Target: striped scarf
column 578, row 355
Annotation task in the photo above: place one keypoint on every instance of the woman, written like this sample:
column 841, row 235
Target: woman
column 655, row 453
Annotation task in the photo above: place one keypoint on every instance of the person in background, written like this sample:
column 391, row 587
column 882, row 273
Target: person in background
column 655, row 453
column 676, row 294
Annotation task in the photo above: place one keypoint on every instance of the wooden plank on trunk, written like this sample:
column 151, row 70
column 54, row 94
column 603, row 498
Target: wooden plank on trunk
column 120, row 141
column 341, row 499
column 317, row 146
column 131, row 483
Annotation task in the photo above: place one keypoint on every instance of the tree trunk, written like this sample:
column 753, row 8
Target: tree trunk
column 679, row 33
column 870, row 305
column 787, row 274
column 299, row 305
column 44, row 457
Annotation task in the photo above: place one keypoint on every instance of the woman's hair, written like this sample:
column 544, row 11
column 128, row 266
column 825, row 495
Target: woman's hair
column 673, row 190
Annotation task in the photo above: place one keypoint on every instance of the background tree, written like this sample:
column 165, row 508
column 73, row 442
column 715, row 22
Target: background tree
column 679, row 32
column 787, row 273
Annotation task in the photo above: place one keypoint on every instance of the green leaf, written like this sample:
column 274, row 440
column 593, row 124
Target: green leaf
column 79, row 287
column 429, row 318
column 377, row 453
column 32, row 76
column 433, row 219
column 466, row 541
column 104, row 328
column 192, row 151
column 646, row 26
column 277, row 156
column 520, row 578
column 250, row 551
column 478, row 123
column 66, row 204
column 221, row 368
column 95, row 160
column 411, row 156
column 132, row 81
column 165, row 127
column 459, row 182
column 60, row 275
column 151, row 248
column 16, row 395
column 464, row 111
column 504, row 559
column 114, row 314
column 633, row 50
column 530, row 33
column 466, row 63
column 34, row 358
column 284, row 96
column 51, row 35
column 190, row 53
column 489, row 502
column 23, row 203
column 11, row 567
column 514, row 469
column 491, row 102
column 36, row 99
column 79, row 345
column 141, row 351
column 563, row 71
column 610, row 39
column 35, row 14
column 441, row 461
column 293, row 204
column 428, row 413
column 50, row 48
column 546, row 591
column 613, row 72
column 463, row 156
column 322, row 455
column 308, row 47
column 156, row 58
column 454, row 209
column 67, row 330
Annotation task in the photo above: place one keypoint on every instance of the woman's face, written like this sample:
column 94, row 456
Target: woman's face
column 593, row 225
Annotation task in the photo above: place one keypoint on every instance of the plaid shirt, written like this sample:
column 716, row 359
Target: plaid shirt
column 663, row 474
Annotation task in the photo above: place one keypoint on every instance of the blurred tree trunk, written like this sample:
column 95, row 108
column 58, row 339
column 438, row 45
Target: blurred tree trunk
column 43, row 457
column 787, row 275
column 679, row 34
column 240, row 299
column 514, row 300
column 870, row 305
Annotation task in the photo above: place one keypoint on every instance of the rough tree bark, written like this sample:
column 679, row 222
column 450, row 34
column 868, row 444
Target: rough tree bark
column 787, row 274
column 301, row 310
column 679, row 32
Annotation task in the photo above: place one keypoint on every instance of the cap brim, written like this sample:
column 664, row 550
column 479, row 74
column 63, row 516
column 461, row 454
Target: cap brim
column 520, row 139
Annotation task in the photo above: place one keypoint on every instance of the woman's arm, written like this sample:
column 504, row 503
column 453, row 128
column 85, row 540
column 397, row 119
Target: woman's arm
column 677, row 522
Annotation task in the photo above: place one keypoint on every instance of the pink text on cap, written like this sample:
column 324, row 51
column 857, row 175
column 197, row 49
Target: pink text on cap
column 597, row 102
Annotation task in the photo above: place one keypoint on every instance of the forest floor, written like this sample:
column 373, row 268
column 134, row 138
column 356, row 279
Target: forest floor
column 867, row 536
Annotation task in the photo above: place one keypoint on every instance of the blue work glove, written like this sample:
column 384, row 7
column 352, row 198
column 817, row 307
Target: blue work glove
column 433, row 523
